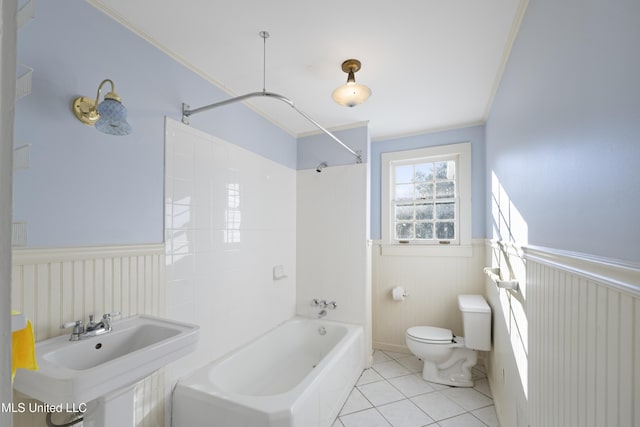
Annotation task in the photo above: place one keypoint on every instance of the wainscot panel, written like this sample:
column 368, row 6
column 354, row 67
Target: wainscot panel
column 432, row 282
column 57, row 285
column 566, row 343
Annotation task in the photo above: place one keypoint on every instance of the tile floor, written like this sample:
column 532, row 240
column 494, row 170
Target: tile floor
column 393, row 393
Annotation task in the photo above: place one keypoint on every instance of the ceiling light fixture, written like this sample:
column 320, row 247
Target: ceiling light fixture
column 351, row 93
column 187, row 111
column 108, row 116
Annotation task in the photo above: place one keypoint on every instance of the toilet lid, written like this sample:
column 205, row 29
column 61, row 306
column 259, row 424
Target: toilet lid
column 430, row 334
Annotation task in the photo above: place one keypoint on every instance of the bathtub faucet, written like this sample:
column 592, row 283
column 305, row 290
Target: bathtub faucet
column 324, row 304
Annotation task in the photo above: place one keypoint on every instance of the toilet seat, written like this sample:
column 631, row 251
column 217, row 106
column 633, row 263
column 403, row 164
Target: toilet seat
column 430, row 335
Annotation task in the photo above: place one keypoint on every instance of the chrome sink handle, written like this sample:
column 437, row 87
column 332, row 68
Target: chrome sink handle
column 91, row 323
column 332, row 305
column 106, row 319
column 76, row 325
column 78, row 329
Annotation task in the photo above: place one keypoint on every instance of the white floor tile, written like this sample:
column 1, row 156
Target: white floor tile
column 412, row 363
column 404, row 414
column 482, row 386
column 393, row 394
column 477, row 374
column 368, row 418
column 395, row 355
column 487, row 415
column 480, row 367
column 412, row 385
column 369, row 376
column 436, row 386
column 390, row 369
column 468, row 398
column 355, row 402
column 437, row 405
column 380, row 392
column 465, row 420
column 379, row 356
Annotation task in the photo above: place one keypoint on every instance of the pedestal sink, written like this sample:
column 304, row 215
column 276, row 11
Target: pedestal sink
column 99, row 373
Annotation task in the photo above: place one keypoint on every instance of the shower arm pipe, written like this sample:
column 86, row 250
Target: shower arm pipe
column 187, row 111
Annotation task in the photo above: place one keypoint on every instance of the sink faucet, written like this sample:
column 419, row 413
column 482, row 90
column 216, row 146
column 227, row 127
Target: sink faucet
column 92, row 328
column 322, row 314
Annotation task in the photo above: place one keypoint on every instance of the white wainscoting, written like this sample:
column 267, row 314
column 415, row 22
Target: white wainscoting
column 57, row 285
column 567, row 346
column 433, row 284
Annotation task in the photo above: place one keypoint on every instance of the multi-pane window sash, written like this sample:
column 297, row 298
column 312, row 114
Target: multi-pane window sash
column 425, row 200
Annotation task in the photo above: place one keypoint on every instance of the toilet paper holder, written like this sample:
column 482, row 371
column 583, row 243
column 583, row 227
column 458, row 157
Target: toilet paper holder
column 494, row 274
column 398, row 293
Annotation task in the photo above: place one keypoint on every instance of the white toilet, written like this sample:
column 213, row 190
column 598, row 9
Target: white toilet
column 448, row 359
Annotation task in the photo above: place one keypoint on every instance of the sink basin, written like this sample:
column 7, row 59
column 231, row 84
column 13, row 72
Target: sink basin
column 75, row 372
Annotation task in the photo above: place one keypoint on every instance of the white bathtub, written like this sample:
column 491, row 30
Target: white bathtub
column 293, row 376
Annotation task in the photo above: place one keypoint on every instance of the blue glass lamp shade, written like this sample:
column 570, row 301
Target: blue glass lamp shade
column 113, row 117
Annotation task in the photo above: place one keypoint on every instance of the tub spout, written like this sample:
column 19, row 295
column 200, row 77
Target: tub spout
column 322, row 314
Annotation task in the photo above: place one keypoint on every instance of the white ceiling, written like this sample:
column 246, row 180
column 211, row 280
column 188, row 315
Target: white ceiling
column 431, row 64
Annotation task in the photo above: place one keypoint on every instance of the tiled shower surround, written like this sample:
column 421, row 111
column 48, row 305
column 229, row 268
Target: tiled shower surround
column 230, row 218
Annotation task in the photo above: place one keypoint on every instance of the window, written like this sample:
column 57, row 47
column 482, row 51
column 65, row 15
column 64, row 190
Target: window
column 426, row 196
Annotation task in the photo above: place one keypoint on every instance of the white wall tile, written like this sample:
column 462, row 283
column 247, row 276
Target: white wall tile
column 332, row 234
column 228, row 285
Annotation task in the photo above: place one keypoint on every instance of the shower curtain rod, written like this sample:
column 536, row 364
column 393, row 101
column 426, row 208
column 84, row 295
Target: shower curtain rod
column 187, row 111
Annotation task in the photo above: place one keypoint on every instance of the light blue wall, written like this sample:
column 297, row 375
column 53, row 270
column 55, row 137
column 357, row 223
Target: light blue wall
column 474, row 135
column 86, row 188
column 563, row 136
column 315, row 149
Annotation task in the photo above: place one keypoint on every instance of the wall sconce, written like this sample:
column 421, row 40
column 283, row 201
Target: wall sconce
column 109, row 117
column 351, row 93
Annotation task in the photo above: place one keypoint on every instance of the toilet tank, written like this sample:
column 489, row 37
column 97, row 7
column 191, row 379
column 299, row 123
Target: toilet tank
column 476, row 318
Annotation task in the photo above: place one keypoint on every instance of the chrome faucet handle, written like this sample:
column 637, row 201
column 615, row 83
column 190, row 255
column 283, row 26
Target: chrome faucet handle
column 70, row 324
column 91, row 323
column 318, row 302
column 110, row 315
column 78, row 327
column 331, row 305
column 106, row 319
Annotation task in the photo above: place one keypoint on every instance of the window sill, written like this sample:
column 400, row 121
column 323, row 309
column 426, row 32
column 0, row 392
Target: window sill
column 402, row 249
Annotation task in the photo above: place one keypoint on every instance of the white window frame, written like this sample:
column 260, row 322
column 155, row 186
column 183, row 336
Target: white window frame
column 461, row 245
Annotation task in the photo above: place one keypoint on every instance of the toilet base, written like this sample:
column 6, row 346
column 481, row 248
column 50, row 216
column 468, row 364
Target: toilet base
column 454, row 372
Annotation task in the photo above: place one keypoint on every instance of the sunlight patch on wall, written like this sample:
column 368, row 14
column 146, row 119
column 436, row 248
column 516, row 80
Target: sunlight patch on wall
column 508, row 223
column 510, row 233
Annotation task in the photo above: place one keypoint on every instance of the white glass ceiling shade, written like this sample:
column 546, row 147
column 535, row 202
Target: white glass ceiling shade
column 351, row 93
